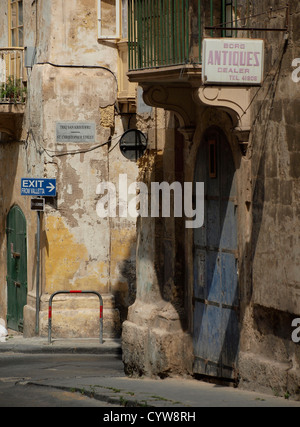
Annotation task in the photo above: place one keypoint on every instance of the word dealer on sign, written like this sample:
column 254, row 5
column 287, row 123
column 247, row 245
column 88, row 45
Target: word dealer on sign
column 38, row 187
column 233, row 61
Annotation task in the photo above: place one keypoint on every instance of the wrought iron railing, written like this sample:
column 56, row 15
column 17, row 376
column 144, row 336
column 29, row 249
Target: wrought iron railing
column 169, row 32
column 158, row 33
column 12, row 89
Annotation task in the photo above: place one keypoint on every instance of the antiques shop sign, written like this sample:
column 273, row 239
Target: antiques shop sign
column 233, row 61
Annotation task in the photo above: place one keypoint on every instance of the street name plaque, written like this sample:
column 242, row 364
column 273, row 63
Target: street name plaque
column 75, row 132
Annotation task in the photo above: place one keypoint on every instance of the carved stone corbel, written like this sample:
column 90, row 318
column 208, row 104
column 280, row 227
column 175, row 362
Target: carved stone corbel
column 234, row 100
column 178, row 99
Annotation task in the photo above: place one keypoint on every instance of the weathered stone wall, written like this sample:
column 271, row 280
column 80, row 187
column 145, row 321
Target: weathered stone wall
column 268, row 227
column 269, row 358
column 82, row 251
column 154, row 338
column 73, row 79
column 18, row 159
column 14, row 159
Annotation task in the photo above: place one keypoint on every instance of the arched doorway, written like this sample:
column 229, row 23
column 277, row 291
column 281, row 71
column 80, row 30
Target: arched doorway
column 215, row 293
column 16, row 268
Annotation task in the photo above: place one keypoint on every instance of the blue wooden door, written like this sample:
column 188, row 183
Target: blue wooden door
column 216, row 299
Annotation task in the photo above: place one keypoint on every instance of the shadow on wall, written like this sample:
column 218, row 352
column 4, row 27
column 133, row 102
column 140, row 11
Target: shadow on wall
column 9, row 157
column 167, row 252
column 162, row 272
column 125, row 295
column 160, row 263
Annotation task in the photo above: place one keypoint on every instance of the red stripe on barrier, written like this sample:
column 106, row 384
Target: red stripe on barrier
column 75, row 292
column 50, row 312
column 101, row 311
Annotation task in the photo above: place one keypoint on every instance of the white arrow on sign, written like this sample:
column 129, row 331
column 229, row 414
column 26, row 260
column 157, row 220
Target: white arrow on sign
column 50, row 187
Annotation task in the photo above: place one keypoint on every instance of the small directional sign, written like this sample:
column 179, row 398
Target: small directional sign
column 38, row 187
column 38, row 204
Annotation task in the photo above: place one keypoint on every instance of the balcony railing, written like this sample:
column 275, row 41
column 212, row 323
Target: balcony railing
column 159, row 33
column 12, row 89
column 164, row 33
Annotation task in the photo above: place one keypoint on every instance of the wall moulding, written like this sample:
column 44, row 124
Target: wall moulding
column 177, row 99
column 234, row 100
column 182, row 99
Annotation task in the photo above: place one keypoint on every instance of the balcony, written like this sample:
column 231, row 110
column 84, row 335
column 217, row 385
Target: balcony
column 12, row 88
column 165, row 36
column 12, row 92
column 165, row 57
column 164, row 40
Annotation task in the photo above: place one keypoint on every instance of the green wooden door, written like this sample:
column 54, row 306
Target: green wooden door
column 16, row 268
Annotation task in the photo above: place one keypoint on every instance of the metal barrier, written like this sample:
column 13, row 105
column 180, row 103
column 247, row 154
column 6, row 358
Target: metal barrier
column 75, row 292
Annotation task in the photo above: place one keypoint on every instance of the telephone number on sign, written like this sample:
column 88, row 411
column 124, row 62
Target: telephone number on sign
column 250, row 78
column 236, row 78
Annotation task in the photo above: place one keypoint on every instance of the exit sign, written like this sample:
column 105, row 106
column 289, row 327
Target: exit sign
column 38, row 187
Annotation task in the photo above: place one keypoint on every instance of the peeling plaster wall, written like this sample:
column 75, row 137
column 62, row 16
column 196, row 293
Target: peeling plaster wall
column 79, row 250
column 74, row 79
column 3, row 24
column 68, row 34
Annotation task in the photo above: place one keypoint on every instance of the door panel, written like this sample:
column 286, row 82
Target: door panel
column 216, row 325
column 200, row 274
column 16, row 268
column 213, row 231
column 229, row 280
column 228, row 235
column 213, row 276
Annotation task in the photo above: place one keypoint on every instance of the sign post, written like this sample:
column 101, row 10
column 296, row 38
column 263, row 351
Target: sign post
column 38, row 187
column 38, row 239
